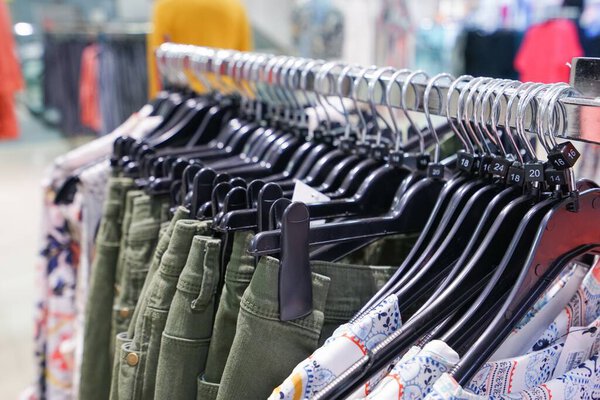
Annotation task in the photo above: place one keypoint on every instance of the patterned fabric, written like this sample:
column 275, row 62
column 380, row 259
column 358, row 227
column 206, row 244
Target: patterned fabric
column 581, row 383
column 550, row 294
column 516, row 374
column 57, row 274
column 537, row 366
column 347, row 345
column 582, row 310
column 412, row 378
column 541, row 315
column 66, row 234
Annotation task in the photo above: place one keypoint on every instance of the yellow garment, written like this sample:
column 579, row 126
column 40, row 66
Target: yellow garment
column 212, row 23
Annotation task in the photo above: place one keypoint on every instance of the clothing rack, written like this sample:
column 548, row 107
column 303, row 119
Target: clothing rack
column 582, row 110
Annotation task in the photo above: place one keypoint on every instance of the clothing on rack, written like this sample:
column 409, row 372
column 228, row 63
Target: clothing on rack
column 110, row 89
column 11, row 79
column 491, row 54
column 89, row 89
column 67, row 250
column 410, row 269
column 547, row 50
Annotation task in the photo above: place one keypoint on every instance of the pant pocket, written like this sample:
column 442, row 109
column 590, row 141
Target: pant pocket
column 206, row 390
column 180, row 362
column 130, row 371
column 120, row 340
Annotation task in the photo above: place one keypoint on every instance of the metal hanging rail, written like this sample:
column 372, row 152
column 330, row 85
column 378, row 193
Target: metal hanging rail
column 582, row 111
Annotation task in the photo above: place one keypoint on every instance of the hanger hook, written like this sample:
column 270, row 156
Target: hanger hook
column 278, row 87
column 339, row 89
column 332, row 88
column 304, row 87
column 461, row 115
column 451, row 120
column 409, row 82
column 269, row 80
column 284, row 82
column 485, row 99
column 357, row 81
column 324, row 73
column 426, row 97
column 388, row 96
column 470, row 118
column 495, row 115
column 373, row 81
column 294, row 84
column 527, row 96
column 554, row 107
column 199, row 61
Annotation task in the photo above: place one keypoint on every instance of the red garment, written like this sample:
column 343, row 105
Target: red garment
column 89, row 91
column 546, row 50
column 11, row 79
column 9, row 129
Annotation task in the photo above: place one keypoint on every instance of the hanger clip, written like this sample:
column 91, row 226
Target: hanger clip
column 396, row 158
column 295, row 279
column 435, row 171
column 466, row 161
column 500, row 166
column 379, row 151
column 534, row 172
column 516, row 174
column 564, row 156
column 423, row 161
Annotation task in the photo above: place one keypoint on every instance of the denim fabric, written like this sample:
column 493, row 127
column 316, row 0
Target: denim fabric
column 128, row 216
column 123, row 340
column 96, row 363
column 189, row 325
column 265, row 349
column 139, row 247
column 237, row 278
column 163, row 243
column 139, row 358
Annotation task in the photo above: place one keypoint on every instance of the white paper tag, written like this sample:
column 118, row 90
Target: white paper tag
column 309, row 195
column 578, row 348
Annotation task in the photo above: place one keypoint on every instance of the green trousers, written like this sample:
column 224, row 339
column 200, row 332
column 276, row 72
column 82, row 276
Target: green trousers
column 189, row 326
column 139, row 357
column 96, row 363
column 124, row 338
column 237, row 278
column 140, row 243
column 265, row 349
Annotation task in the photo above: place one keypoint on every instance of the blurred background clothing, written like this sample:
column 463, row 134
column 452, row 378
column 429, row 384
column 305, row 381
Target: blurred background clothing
column 222, row 24
column 11, row 79
column 476, row 37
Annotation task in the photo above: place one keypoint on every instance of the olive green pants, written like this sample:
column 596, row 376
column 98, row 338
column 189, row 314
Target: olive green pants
column 265, row 349
column 188, row 330
column 139, row 357
column 96, row 363
column 390, row 250
column 129, row 215
column 140, row 243
column 237, row 278
column 125, row 337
